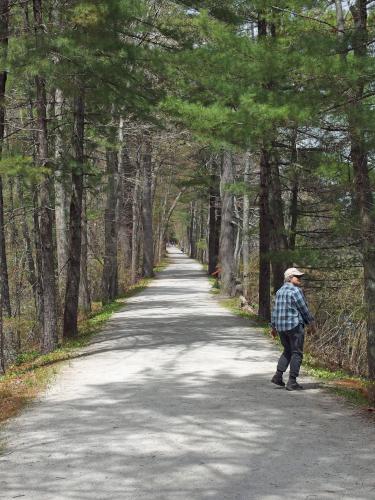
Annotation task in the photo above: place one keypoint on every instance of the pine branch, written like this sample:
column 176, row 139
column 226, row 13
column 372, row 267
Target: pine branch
column 296, row 14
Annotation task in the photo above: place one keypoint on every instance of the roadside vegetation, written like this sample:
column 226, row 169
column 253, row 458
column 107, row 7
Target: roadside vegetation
column 353, row 388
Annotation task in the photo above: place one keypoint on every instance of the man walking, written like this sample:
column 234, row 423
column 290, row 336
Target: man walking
column 289, row 317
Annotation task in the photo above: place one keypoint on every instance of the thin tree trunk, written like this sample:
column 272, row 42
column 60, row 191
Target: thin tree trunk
column 110, row 271
column 38, row 260
column 84, row 286
column 279, row 238
column 4, row 27
column 264, row 285
column 30, row 263
column 200, row 236
column 50, row 337
column 159, row 231
column 340, row 18
column 2, row 337
column 148, row 244
column 293, row 207
column 362, row 183
column 238, row 239
column 227, row 234
column 73, row 275
column 246, row 228
column 192, row 232
column 125, row 204
column 214, row 224
column 264, row 310
column 135, row 226
column 61, row 199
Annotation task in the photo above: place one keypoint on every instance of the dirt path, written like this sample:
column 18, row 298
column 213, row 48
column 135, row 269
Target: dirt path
column 173, row 402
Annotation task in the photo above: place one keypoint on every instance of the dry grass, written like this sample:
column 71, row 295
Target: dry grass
column 16, row 390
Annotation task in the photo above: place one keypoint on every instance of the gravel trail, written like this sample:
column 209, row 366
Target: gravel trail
column 173, row 402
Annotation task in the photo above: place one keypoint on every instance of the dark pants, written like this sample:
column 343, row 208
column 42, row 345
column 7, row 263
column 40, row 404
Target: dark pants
column 292, row 342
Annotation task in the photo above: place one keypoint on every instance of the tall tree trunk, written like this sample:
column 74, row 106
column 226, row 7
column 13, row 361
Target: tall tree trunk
column 362, row 182
column 73, row 276
column 30, row 263
column 135, row 226
column 246, row 228
column 227, row 234
column 264, row 286
column 36, row 236
column 84, row 286
column 50, row 337
column 4, row 27
column 61, row 199
column 264, row 310
column 110, row 271
column 192, row 232
column 148, row 244
column 38, row 259
column 238, row 239
column 2, row 337
column 279, row 238
column 293, row 212
column 159, row 244
column 293, row 207
column 214, row 223
column 340, row 19
column 125, row 202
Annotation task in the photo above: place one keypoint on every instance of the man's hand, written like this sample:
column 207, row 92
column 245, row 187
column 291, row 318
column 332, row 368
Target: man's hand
column 273, row 333
column 312, row 328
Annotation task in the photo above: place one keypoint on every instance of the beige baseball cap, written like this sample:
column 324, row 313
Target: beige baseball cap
column 292, row 271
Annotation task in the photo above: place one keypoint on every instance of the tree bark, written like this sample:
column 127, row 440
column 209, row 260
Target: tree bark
column 31, row 274
column 293, row 207
column 192, row 231
column 279, row 240
column 159, row 244
column 264, row 310
column 362, row 183
column 61, row 199
column 4, row 27
column 264, row 286
column 135, row 226
column 73, row 276
column 246, row 228
column 227, row 233
column 38, row 259
column 340, row 19
column 238, row 240
column 125, row 201
column 148, row 244
column 2, row 337
column 50, row 337
column 214, row 224
column 84, row 286
column 110, row 271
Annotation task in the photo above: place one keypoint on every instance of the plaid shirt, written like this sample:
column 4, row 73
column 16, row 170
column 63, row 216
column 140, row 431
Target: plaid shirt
column 290, row 309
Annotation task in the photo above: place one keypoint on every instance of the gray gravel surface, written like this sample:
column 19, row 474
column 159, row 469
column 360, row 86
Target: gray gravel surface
column 173, row 401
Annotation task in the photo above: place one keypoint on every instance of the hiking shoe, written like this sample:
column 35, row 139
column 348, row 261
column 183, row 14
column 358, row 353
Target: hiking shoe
column 292, row 385
column 278, row 381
